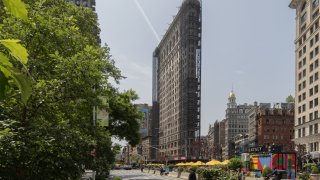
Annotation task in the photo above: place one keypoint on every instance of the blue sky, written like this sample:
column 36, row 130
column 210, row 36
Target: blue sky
column 247, row 44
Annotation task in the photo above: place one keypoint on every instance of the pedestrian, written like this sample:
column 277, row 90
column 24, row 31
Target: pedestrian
column 141, row 168
column 192, row 175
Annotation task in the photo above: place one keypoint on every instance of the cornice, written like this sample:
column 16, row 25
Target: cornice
column 295, row 3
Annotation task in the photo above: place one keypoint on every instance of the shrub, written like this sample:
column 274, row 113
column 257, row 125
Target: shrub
column 235, row 164
column 117, row 178
column 314, row 170
column 194, row 168
column 171, row 166
column 304, row 176
column 307, row 167
column 180, row 169
column 221, row 166
column 266, row 170
column 216, row 174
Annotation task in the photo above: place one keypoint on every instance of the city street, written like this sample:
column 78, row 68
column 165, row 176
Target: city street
column 136, row 174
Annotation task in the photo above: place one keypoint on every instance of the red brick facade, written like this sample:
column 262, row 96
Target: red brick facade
column 276, row 126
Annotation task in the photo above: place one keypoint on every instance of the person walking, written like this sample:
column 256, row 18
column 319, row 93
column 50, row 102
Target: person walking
column 192, row 175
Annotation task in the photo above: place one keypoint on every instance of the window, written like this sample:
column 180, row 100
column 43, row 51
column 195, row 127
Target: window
column 303, row 7
column 316, row 89
column 315, row 14
column 310, row 129
column 311, row 44
column 316, row 128
column 311, row 54
column 310, row 79
column 303, row 84
column 300, row 53
column 300, row 65
column 316, row 102
column 303, row 18
column 316, row 63
column 304, row 61
column 300, row 76
column 311, row 67
column 303, row 119
column 304, row 73
column 299, row 109
column 303, row 132
column 299, row 133
column 310, row 116
column 315, row 3
column 303, row 28
column 316, row 76
column 303, row 108
column 311, row 92
column 316, row 51
column 299, row 120
column 316, row 39
column 310, row 104
column 304, row 96
column 304, row 49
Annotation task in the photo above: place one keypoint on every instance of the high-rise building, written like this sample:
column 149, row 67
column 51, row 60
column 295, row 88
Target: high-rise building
column 307, row 74
column 177, row 84
column 86, row 3
column 236, row 123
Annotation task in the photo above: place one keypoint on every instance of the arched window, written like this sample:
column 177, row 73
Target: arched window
column 303, row 7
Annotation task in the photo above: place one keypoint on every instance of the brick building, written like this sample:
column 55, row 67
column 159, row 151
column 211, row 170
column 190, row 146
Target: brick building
column 275, row 126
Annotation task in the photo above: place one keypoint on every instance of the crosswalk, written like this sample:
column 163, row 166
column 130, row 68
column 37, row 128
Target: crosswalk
column 138, row 175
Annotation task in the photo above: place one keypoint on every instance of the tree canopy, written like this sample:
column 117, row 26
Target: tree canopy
column 290, row 99
column 51, row 133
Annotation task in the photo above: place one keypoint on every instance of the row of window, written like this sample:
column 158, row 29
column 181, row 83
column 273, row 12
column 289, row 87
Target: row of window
column 275, row 137
column 277, row 121
column 312, row 116
column 312, row 79
column 312, row 103
column 313, row 129
column 312, row 91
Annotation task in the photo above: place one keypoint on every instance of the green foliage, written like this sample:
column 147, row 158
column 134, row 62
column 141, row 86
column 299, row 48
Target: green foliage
column 308, row 167
column 17, row 8
column 209, row 174
column 235, row 164
column 266, row 171
column 314, row 170
column 290, row 99
column 117, row 178
column 304, row 176
column 16, row 50
column 194, row 168
column 171, row 166
column 180, row 169
column 50, row 133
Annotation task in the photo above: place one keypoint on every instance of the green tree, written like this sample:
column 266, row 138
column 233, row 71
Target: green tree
column 51, row 135
column 290, row 99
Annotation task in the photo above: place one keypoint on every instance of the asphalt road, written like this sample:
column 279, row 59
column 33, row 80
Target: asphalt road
column 138, row 175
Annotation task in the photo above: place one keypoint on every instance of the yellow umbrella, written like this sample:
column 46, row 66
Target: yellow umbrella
column 189, row 164
column 213, row 162
column 225, row 162
column 199, row 163
column 181, row 164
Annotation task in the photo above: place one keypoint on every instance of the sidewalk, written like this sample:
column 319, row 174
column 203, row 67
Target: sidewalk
column 184, row 175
